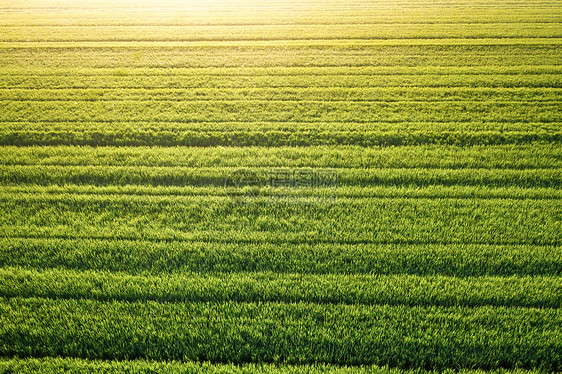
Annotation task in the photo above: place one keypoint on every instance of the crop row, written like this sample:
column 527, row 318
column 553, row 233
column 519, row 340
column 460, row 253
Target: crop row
column 277, row 32
column 361, row 82
column 301, row 333
column 270, row 54
column 275, row 134
column 432, row 191
column 522, row 156
column 305, row 177
column 276, row 44
column 536, row 95
column 538, row 292
column 459, row 13
column 77, row 72
column 279, row 219
column 279, row 111
column 178, row 257
column 51, row 365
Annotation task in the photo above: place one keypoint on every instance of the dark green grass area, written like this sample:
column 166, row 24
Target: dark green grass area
column 295, row 333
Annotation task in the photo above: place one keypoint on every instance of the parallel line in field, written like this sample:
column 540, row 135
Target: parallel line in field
column 309, row 90
column 73, row 364
column 289, row 123
column 379, row 259
column 193, row 40
column 228, row 8
column 203, row 72
column 296, row 23
column 298, row 71
column 204, row 93
column 287, row 76
column 278, row 301
column 185, row 95
column 271, row 241
column 189, row 100
column 274, row 195
column 54, row 121
column 250, row 100
column 57, row 165
column 100, row 239
column 385, row 71
column 263, row 49
column 267, row 87
column 62, row 17
column 307, row 7
column 235, row 25
column 359, row 335
column 241, row 87
column 532, row 193
column 295, row 43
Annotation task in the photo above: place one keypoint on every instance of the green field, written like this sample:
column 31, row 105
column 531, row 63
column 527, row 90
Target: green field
column 244, row 186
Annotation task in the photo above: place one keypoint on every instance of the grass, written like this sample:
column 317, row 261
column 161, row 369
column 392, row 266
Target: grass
column 437, row 249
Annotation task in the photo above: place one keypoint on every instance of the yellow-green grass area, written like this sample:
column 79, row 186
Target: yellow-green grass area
column 244, row 186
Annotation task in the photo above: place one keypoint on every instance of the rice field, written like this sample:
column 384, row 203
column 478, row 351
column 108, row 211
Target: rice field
column 243, row 186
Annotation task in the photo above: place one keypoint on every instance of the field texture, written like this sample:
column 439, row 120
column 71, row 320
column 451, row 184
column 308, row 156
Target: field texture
column 361, row 186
